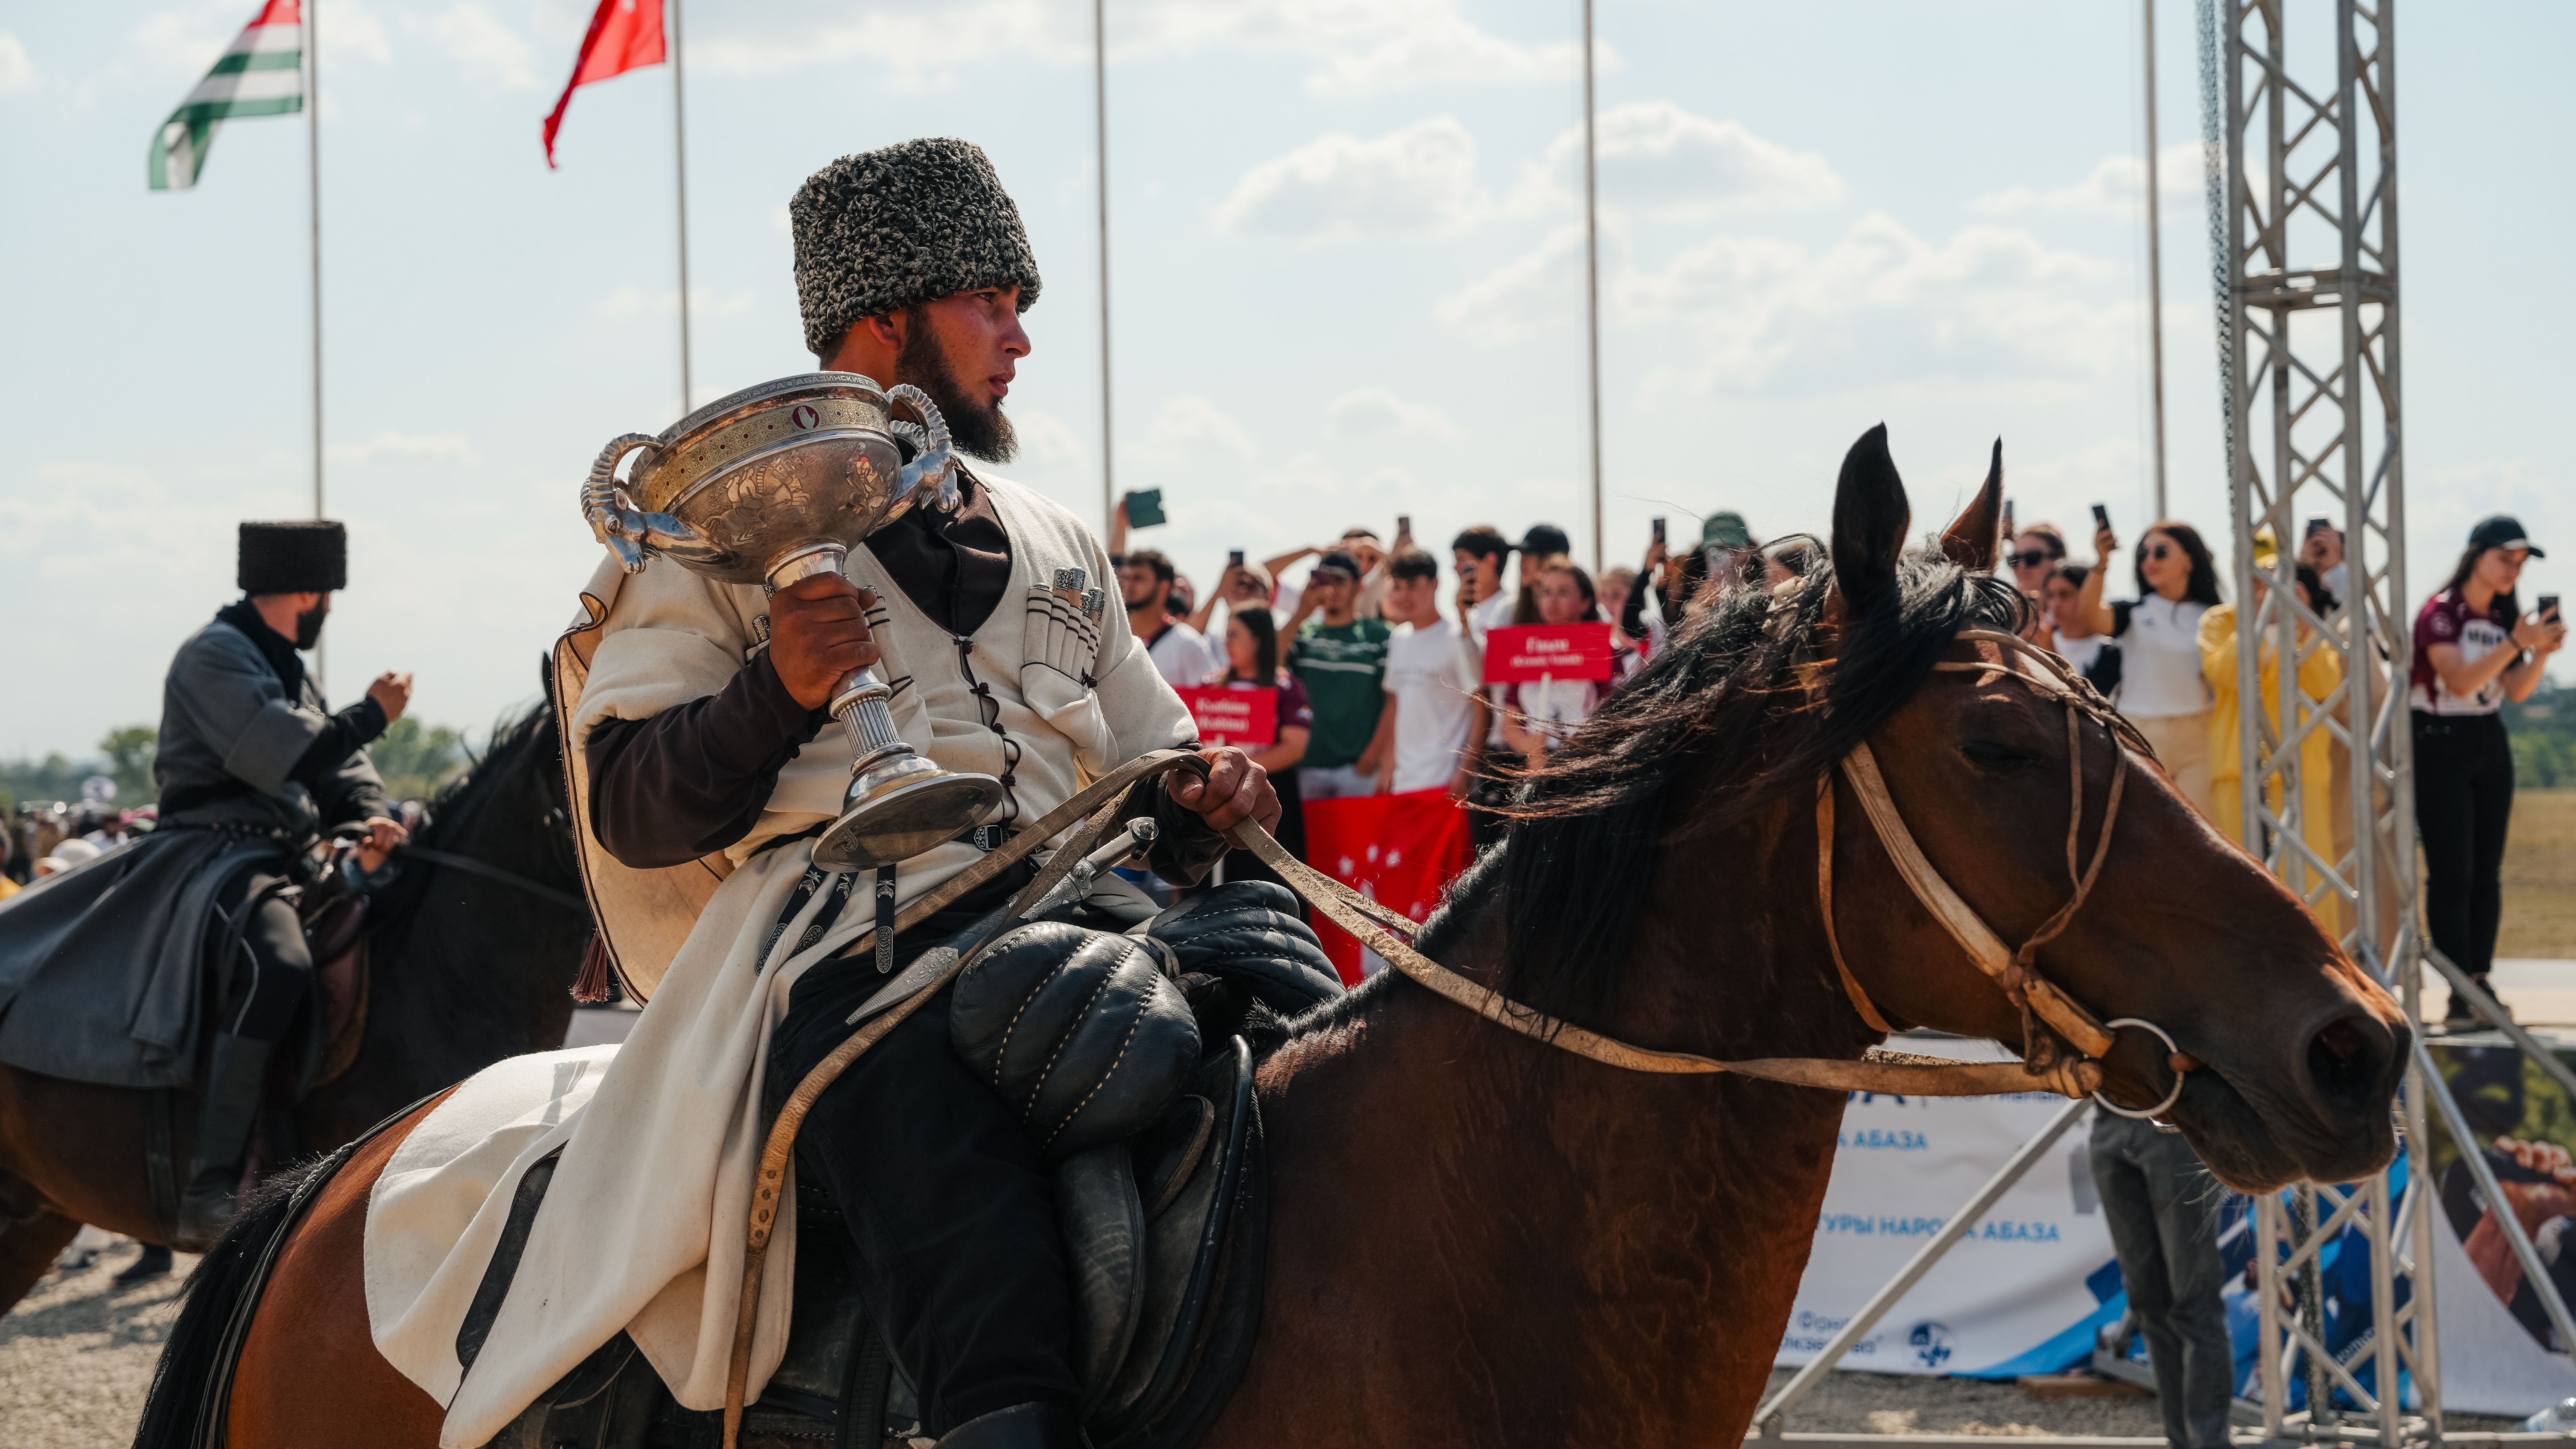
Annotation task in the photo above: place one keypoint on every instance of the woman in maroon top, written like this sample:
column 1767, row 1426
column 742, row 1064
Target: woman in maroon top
column 2473, row 651
column 1252, row 662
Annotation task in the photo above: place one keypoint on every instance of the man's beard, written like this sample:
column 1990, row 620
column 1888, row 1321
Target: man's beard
column 977, row 429
column 308, row 626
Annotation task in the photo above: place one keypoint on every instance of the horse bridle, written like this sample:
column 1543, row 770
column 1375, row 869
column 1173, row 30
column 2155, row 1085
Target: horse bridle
column 1390, row 934
column 2016, row 971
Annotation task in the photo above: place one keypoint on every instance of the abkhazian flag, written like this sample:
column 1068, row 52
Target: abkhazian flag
column 261, row 74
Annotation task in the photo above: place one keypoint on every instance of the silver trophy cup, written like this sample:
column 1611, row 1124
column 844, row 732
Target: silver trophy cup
column 778, row 483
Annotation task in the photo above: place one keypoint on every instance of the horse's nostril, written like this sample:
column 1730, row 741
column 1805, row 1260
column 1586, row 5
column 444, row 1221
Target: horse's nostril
column 2347, row 1061
column 2342, row 1039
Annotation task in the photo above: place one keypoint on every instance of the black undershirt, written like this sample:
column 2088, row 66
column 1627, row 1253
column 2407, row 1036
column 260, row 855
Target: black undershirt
column 694, row 779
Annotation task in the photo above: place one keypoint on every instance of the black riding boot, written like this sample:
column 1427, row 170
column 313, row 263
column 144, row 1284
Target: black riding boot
column 236, row 1073
column 1022, row 1426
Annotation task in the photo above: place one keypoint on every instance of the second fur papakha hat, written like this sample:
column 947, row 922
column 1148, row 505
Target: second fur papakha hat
column 884, row 230
column 304, row 556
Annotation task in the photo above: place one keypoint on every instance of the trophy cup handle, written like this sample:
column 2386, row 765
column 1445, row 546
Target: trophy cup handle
column 935, row 464
column 634, row 536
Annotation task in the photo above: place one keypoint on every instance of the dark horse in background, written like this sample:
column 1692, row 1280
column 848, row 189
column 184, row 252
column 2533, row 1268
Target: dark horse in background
column 1478, row 1239
column 460, row 969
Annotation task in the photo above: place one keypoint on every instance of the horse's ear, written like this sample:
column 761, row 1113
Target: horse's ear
column 1870, row 519
column 1970, row 542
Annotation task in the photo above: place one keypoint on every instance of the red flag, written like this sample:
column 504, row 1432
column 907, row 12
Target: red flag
column 623, row 35
column 1398, row 850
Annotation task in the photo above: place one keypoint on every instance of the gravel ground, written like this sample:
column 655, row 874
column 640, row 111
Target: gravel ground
column 76, row 1359
column 76, row 1355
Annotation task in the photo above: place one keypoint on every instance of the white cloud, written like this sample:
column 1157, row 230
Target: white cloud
column 628, row 302
column 17, row 70
column 351, row 27
column 412, row 447
column 1881, row 305
column 1661, row 161
column 1047, row 441
column 2115, row 189
column 1374, row 412
column 1189, row 427
column 485, row 49
column 1417, row 182
column 1361, row 47
column 1539, row 292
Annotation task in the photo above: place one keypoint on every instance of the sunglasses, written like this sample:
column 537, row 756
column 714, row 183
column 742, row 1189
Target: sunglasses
column 2162, row 552
column 2030, row 558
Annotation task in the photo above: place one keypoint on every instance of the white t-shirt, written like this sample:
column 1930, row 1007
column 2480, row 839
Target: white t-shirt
column 2160, row 658
column 1494, row 613
column 1183, row 655
column 1427, row 677
column 2080, row 652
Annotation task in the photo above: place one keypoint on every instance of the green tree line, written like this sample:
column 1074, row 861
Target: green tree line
column 2543, row 729
column 414, row 758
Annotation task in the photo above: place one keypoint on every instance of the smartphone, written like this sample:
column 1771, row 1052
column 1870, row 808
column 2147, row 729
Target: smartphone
column 1659, row 530
column 2549, row 608
column 2101, row 515
column 2008, row 518
column 2319, row 525
column 1234, row 560
column 1404, row 525
column 1145, row 509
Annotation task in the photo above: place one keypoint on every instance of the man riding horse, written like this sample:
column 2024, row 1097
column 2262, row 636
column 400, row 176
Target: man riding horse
column 254, row 772
column 693, row 730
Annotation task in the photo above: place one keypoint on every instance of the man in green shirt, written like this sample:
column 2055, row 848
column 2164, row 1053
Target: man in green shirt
column 1341, row 659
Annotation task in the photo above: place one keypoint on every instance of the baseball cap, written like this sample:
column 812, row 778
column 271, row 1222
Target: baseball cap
column 1544, row 539
column 70, row 853
column 1725, row 529
column 2503, row 530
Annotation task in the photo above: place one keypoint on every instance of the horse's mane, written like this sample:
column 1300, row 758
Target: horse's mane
column 516, row 747
column 1723, row 713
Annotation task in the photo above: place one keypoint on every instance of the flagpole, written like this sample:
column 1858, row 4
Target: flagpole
column 313, row 205
column 2155, row 262
column 1592, row 286
column 313, row 199
column 1100, row 137
column 680, row 152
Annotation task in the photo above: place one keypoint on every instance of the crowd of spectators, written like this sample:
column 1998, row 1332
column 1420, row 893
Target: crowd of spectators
column 1380, row 667
column 1377, row 657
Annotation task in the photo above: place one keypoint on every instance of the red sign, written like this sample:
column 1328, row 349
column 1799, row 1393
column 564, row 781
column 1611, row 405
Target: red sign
column 1525, row 652
column 1398, row 850
column 1234, row 716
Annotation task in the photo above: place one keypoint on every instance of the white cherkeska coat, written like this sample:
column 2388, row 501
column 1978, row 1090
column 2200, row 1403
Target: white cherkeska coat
column 642, row 1229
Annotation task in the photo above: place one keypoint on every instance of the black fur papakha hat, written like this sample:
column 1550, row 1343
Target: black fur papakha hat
column 884, row 230
column 305, row 556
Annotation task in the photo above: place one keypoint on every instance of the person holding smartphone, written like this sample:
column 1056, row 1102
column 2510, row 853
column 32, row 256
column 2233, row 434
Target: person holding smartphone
column 2473, row 651
column 2161, row 688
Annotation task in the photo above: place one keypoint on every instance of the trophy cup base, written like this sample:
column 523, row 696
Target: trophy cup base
column 914, row 812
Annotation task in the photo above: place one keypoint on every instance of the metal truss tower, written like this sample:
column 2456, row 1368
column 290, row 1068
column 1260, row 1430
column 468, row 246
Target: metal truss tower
column 2308, row 339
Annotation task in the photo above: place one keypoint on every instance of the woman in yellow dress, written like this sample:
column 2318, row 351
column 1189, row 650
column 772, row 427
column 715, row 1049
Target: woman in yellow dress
column 2320, row 672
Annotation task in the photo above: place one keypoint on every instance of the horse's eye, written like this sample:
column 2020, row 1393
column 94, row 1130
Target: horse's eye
column 1995, row 755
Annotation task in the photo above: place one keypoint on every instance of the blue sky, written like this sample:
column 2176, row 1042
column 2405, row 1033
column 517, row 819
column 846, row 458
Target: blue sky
column 1345, row 278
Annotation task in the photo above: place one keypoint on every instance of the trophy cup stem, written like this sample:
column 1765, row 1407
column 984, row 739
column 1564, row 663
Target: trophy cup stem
column 899, row 804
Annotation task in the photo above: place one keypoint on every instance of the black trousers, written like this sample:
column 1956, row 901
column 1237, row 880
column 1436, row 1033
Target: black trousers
column 278, row 963
column 2463, row 805
column 942, row 1186
column 2162, row 1212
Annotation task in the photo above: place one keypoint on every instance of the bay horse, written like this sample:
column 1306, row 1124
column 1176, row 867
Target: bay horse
column 462, row 970
column 1479, row 1239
